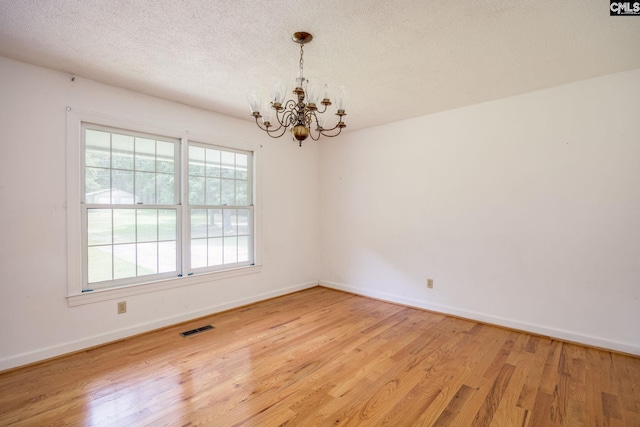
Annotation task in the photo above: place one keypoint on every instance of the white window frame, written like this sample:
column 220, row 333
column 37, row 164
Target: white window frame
column 189, row 207
column 85, row 206
column 75, row 173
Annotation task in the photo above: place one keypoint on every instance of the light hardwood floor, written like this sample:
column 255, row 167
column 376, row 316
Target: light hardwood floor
column 322, row 357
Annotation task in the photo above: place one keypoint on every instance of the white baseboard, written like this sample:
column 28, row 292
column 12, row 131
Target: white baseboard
column 560, row 334
column 41, row 354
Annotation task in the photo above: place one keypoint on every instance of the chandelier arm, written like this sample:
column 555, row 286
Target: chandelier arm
column 308, row 115
column 288, row 118
column 284, row 121
column 272, row 132
column 284, row 112
column 318, row 134
column 333, row 128
column 264, row 128
column 322, row 132
column 279, row 117
column 284, row 129
column 337, row 126
column 323, row 111
column 291, row 104
column 280, row 122
column 329, row 130
column 312, row 116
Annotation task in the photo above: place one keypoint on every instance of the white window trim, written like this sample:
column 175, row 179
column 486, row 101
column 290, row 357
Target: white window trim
column 75, row 295
column 159, row 285
column 188, row 208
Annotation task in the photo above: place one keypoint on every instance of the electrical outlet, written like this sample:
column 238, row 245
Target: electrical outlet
column 430, row 283
column 122, row 307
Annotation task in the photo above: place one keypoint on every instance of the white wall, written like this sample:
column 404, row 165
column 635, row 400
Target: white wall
column 35, row 319
column 525, row 211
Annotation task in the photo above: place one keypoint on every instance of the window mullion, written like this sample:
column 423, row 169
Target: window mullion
column 185, row 225
column 113, row 252
column 135, row 227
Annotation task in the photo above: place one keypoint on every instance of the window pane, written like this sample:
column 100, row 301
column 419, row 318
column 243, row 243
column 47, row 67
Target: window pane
column 243, row 222
column 228, row 192
column 242, row 193
column 230, row 222
column 124, row 226
column 97, row 185
column 147, row 258
column 243, row 249
column 196, row 160
column 212, row 163
column 230, row 250
column 147, row 225
column 166, row 157
column 98, row 226
column 122, row 152
column 215, row 251
column 215, row 222
column 198, row 223
column 241, row 166
column 228, row 161
column 166, row 189
column 145, row 188
column 213, row 191
column 99, row 264
column 167, row 257
column 145, row 155
column 124, row 261
column 122, row 191
column 198, row 253
column 97, row 148
column 167, row 224
column 196, row 190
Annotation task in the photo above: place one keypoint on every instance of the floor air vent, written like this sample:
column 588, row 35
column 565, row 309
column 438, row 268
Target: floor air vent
column 196, row 331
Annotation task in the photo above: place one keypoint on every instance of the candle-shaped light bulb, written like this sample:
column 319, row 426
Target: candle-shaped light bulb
column 341, row 99
column 313, row 92
column 254, row 102
column 278, row 91
column 267, row 113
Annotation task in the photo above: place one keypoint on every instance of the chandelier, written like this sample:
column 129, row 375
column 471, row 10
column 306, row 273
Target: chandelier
column 303, row 114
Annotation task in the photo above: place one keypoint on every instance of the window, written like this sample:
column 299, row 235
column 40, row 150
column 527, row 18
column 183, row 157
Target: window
column 136, row 228
column 219, row 207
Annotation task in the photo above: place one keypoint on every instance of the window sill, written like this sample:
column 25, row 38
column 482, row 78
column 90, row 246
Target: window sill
column 144, row 288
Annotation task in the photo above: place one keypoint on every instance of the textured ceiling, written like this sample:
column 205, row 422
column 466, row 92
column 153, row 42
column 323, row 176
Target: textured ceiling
column 397, row 59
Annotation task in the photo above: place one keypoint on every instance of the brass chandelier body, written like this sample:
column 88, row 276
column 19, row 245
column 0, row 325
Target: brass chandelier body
column 301, row 115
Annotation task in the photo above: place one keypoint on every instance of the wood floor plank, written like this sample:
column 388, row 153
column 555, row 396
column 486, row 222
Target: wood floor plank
column 455, row 406
column 528, row 392
column 488, row 409
column 593, row 396
column 323, row 357
column 508, row 413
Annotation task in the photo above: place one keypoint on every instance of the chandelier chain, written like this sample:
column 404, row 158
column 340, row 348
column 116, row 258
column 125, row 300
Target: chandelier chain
column 301, row 61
